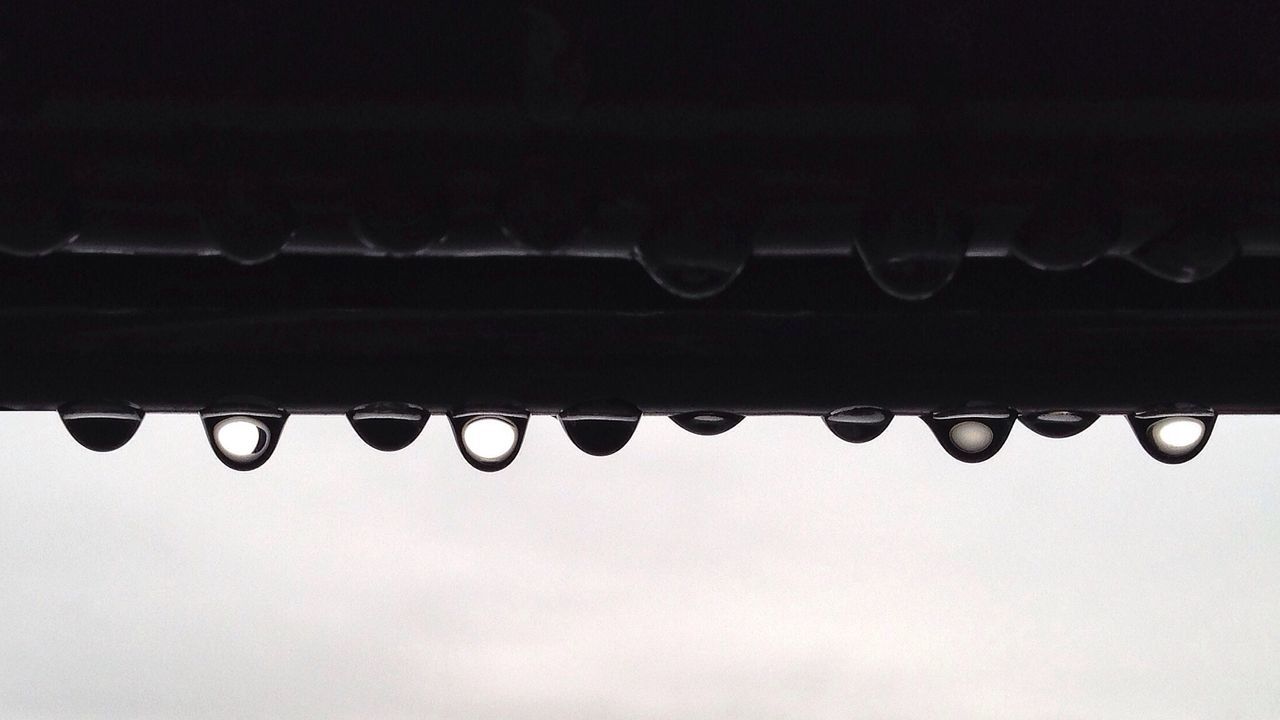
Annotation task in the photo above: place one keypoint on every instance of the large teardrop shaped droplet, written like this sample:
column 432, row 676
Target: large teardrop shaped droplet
column 971, row 435
column 388, row 426
column 858, row 424
column 1058, row 424
column 1173, row 434
column 600, row 428
column 707, row 422
column 489, row 439
column 912, row 253
column 243, row 436
column 101, row 427
column 696, row 251
column 1193, row 249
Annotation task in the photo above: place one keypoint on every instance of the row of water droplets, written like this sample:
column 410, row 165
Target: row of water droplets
column 244, row 435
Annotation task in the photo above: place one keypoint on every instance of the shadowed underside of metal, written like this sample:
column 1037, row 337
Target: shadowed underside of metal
column 492, row 211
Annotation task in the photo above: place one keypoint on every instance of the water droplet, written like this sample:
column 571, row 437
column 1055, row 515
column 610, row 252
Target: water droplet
column 101, row 427
column 971, row 435
column 489, row 440
column 707, row 422
column 1193, row 249
column 695, row 252
column 600, row 428
column 244, row 436
column 1068, row 231
column 1173, row 434
column 545, row 212
column 250, row 225
column 858, row 424
column 912, row 253
column 403, row 223
column 1058, row 424
column 388, row 426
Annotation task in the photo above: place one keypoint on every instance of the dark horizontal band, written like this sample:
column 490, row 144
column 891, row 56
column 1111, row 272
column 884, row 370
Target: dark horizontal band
column 793, row 336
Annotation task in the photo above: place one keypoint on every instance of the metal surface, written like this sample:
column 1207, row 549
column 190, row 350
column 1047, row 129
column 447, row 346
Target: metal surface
column 678, row 208
column 793, row 336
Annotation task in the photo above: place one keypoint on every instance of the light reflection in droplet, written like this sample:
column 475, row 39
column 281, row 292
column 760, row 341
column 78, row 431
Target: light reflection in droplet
column 1177, row 435
column 241, row 438
column 489, row 439
column 971, row 436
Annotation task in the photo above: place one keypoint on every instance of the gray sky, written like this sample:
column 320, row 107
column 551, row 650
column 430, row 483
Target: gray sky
column 770, row 572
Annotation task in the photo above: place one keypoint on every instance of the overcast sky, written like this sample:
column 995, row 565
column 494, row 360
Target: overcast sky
column 770, row 572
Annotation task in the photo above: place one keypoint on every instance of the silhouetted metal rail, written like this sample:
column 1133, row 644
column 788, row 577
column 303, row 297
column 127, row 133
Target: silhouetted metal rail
column 923, row 209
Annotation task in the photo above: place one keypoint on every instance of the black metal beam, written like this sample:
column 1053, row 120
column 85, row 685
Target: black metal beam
column 451, row 197
column 794, row 336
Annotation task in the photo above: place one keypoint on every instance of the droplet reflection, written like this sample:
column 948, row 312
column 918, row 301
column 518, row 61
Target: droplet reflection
column 971, row 436
column 912, row 253
column 489, row 439
column 241, row 438
column 697, row 251
column 101, row 427
column 1177, row 435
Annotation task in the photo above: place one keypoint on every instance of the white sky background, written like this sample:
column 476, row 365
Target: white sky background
column 770, row 572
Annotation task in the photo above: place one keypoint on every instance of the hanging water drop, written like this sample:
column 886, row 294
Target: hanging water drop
column 600, row 428
column 1194, row 248
column 972, row 434
column 858, row 424
column 243, row 436
column 1173, row 434
column 1069, row 230
column 101, row 427
column 402, row 216
column 911, row 253
column 707, row 422
column 250, row 224
column 1058, row 424
column 695, row 251
column 388, row 426
column 489, row 439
